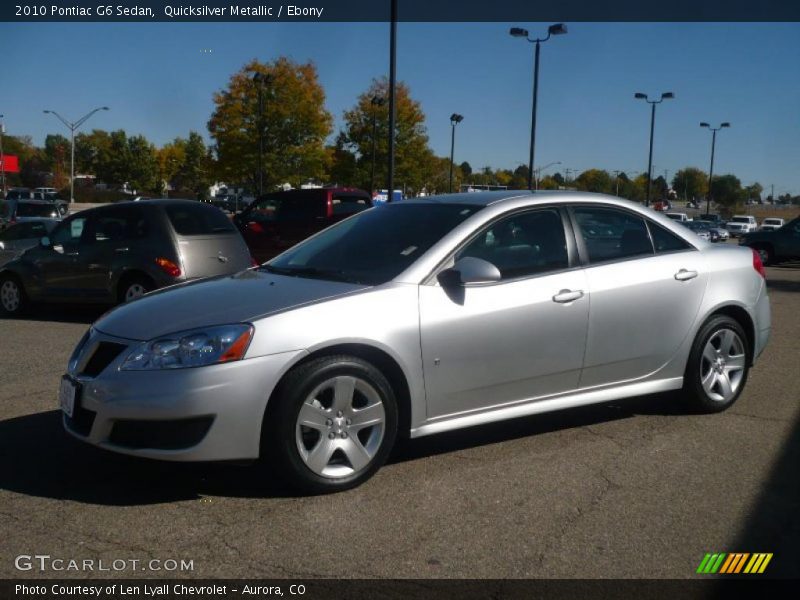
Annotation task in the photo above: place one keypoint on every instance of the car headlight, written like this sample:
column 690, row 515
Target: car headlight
column 195, row 348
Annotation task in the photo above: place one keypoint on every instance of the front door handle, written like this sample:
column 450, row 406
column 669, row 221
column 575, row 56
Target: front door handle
column 684, row 275
column 565, row 296
column 120, row 250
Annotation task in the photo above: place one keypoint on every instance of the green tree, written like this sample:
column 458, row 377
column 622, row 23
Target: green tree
column 466, row 169
column 140, row 167
column 726, row 190
column 295, row 124
column 414, row 160
column 690, row 183
column 594, row 180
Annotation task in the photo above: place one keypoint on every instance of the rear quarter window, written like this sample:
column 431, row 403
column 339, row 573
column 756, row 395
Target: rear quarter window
column 199, row 219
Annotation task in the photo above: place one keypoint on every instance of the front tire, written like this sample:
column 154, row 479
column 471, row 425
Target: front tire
column 332, row 423
column 718, row 365
column 13, row 300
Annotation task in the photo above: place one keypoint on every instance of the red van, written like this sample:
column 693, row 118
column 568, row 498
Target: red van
column 279, row 220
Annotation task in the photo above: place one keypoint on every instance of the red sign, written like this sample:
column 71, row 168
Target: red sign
column 9, row 164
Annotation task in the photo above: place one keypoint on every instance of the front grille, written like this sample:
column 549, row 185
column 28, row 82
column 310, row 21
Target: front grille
column 81, row 420
column 103, row 354
column 160, row 435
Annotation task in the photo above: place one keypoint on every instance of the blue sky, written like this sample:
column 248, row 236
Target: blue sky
column 158, row 81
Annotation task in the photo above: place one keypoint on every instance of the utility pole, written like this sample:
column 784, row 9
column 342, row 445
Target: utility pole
column 392, row 107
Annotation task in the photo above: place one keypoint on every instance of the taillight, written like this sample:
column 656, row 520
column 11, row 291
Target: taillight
column 255, row 227
column 757, row 264
column 169, row 267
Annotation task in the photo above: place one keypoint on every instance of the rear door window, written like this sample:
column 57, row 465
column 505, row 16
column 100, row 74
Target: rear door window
column 301, row 208
column 119, row 224
column 612, row 234
column 198, row 219
column 666, row 241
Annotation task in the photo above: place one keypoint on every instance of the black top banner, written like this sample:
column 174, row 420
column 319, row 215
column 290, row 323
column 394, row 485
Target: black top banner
column 408, row 10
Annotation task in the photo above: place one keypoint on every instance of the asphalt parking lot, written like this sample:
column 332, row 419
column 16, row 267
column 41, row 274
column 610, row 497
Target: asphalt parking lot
column 628, row 489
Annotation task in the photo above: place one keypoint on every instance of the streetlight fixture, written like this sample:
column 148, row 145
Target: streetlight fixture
column 557, row 29
column 539, row 172
column 652, row 103
column 714, row 131
column 260, row 80
column 376, row 102
column 455, row 119
column 72, row 128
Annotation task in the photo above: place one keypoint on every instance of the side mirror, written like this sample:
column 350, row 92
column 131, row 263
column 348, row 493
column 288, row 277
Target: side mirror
column 44, row 242
column 469, row 270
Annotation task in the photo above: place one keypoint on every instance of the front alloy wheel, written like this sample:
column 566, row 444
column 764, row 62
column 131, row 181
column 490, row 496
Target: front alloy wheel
column 331, row 424
column 340, row 427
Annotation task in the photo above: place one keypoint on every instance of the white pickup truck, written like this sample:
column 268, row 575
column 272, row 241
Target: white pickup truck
column 741, row 224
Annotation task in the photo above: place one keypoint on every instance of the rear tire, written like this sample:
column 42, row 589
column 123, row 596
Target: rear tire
column 719, row 363
column 133, row 287
column 13, row 299
column 331, row 424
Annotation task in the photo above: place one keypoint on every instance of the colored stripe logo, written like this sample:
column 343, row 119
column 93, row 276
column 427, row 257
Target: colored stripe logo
column 734, row 562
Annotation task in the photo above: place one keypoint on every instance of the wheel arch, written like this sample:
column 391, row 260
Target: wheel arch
column 128, row 274
column 382, row 360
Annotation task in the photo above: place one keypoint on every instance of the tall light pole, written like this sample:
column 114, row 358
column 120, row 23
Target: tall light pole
column 2, row 159
column 72, row 128
column 557, row 29
column 376, row 102
column 261, row 79
column 538, row 172
column 392, row 107
column 455, row 119
column 652, row 103
column 714, row 131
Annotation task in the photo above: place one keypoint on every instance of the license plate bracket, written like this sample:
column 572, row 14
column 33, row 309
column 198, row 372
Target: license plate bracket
column 68, row 395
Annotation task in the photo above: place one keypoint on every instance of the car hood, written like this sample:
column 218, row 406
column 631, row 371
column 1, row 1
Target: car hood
column 243, row 297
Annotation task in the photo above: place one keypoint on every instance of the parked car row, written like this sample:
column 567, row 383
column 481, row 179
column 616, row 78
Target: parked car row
column 43, row 194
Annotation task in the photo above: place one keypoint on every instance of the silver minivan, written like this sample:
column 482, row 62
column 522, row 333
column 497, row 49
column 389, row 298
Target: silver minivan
column 117, row 253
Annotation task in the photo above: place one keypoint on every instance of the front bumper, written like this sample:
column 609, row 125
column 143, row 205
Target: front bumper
column 198, row 414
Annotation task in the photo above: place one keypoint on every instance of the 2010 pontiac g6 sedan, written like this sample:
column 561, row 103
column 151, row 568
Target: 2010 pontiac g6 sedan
column 415, row 318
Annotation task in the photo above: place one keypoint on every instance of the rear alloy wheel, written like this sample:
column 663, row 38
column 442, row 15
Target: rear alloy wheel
column 12, row 297
column 718, row 365
column 133, row 289
column 334, row 424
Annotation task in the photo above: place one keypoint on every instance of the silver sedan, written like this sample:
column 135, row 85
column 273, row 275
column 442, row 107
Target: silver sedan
column 415, row 318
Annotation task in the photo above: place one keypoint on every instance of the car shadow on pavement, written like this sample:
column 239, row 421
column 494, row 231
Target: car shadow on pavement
column 773, row 523
column 37, row 458
column 502, row 431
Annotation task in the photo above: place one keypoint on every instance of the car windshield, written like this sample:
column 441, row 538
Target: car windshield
column 374, row 246
column 772, row 221
column 741, row 219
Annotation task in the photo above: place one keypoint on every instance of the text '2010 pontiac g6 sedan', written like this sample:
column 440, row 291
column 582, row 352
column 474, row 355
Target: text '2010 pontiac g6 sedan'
column 419, row 317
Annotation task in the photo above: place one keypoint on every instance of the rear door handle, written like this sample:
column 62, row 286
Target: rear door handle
column 565, row 296
column 684, row 275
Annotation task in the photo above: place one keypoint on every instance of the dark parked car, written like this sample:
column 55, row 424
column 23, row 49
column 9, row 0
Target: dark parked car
column 777, row 245
column 29, row 210
column 17, row 238
column 119, row 252
column 277, row 221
